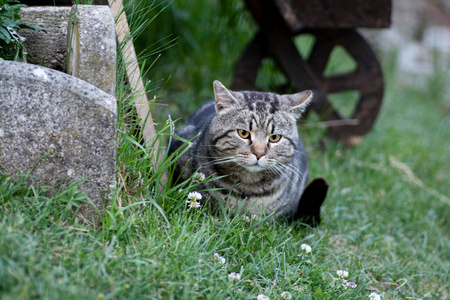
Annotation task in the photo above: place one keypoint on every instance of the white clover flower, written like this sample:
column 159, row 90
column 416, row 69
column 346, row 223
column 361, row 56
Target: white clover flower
column 198, row 177
column 255, row 218
column 193, row 204
column 342, row 274
column 246, row 218
column 374, row 296
column 234, row 276
column 194, row 196
column 306, row 248
column 219, row 258
column 286, row 295
column 351, row 284
column 262, row 297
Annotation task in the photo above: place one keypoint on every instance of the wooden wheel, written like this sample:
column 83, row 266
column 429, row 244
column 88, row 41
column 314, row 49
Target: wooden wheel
column 309, row 73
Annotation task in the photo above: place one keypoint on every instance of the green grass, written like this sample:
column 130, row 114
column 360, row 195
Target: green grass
column 386, row 228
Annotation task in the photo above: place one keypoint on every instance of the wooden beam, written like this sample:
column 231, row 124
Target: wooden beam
column 134, row 77
column 133, row 70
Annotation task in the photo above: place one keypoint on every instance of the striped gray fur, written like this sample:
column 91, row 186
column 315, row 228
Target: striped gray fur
column 263, row 174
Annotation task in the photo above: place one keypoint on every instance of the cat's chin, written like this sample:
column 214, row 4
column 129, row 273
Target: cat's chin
column 254, row 168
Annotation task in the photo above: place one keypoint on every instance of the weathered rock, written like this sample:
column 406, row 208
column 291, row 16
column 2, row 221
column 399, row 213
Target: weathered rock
column 47, row 48
column 58, row 2
column 59, row 125
column 92, row 46
column 47, row 2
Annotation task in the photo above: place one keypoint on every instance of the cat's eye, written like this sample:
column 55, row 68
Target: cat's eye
column 243, row 133
column 274, row 138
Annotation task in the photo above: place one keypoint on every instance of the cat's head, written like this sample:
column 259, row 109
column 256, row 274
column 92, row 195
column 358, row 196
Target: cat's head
column 256, row 130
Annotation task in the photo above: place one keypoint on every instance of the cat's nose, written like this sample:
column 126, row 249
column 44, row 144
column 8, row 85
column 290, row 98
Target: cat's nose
column 258, row 155
column 259, row 150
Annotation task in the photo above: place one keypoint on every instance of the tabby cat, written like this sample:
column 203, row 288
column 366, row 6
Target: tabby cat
column 251, row 139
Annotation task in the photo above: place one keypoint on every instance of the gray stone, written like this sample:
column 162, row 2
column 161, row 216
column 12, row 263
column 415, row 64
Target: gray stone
column 59, row 125
column 47, row 48
column 79, row 40
column 92, row 46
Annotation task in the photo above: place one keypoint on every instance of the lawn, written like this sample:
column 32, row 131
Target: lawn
column 385, row 219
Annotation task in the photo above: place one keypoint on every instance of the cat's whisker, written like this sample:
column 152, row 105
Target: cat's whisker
column 212, row 157
column 209, row 157
column 277, row 167
column 222, row 160
column 289, row 168
column 275, row 170
column 286, row 170
column 225, row 159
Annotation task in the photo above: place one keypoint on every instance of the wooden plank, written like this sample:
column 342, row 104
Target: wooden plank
column 350, row 13
column 300, row 15
column 133, row 70
column 335, row 14
column 135, row 80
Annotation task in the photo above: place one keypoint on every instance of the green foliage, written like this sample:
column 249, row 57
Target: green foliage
column 86, row 2
column 209, row 40
column 11, row 42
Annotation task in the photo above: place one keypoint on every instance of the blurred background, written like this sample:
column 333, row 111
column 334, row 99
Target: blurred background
column 201, row 43
column 191, row 43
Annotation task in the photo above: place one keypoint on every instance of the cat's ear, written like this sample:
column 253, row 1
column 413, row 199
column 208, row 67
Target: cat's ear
column 224, row 98
column 299, row 102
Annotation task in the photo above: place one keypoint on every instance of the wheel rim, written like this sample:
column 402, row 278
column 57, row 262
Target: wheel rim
column 367, row 79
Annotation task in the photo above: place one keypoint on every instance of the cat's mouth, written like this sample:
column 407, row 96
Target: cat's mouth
column 254, row 168
column 257, row 166
column 253, row 164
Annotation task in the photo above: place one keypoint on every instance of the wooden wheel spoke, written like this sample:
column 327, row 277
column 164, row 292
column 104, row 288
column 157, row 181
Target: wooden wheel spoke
column 321, row 49
column 247, row 67
column 350, row 81
column 367, row 79
column 329, row 113
column 343, row 82
column 360, row 51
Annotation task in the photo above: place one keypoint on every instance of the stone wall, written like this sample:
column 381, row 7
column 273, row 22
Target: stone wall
column 79, row 40
column 91, row 44
column 47, row 48
column 59, row 128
